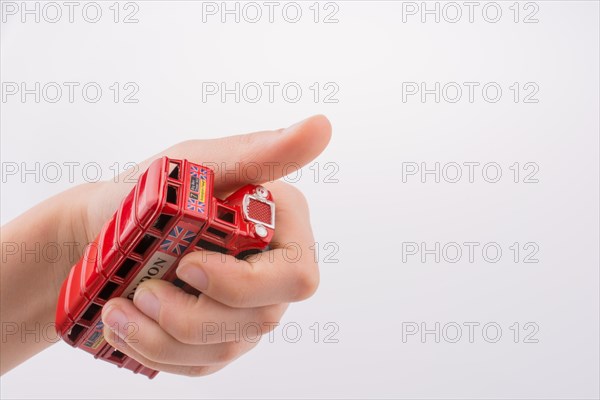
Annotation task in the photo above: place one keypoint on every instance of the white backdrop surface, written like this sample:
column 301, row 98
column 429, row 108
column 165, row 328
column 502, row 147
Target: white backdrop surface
column 370, row 213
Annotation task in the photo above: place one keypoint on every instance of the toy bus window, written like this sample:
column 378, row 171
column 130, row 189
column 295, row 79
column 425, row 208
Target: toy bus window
column 226, row 215
column 217, row 232
column 107, row 290
column 116, row 355
column 171, row 194
column 91, row 313
column 247, row 253
column 211, row 246
column 145, row 243
column 75, row 332
column 125, row 268
column 161, row 221
column 173, row 170
column 179, row 283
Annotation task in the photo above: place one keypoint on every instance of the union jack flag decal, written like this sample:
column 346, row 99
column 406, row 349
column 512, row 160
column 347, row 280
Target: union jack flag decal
column 178, row 241
column 195, row 205
column 198, row 172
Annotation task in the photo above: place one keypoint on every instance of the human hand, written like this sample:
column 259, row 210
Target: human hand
column 234, row 291
column 196, row 335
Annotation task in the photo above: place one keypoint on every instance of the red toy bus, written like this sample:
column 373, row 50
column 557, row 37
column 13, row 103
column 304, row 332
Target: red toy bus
column 169, row 213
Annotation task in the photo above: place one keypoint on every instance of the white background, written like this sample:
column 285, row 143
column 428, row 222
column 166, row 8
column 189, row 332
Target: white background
column 370, row 211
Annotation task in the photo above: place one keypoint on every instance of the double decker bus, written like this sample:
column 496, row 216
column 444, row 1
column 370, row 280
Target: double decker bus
column 170, row 212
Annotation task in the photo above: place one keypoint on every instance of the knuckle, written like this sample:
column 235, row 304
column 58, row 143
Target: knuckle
column 227, row 352
column 295, row 195
column 268, row 315
column 184, row 330
column 299, row 197
column 237, row 298
column 156, row 352
column 179, row 321
column 307, row 283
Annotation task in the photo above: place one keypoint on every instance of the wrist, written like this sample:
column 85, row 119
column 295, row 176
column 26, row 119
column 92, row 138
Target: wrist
column 33, row 267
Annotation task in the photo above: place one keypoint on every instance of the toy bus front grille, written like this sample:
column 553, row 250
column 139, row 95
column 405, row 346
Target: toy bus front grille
column 260, row 211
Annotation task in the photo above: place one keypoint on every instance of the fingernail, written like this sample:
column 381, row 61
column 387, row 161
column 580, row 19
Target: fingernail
column 147, row 302
column 194, row 275
column 114, row 318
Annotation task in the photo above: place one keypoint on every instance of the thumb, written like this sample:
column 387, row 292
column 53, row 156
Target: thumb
column 260, row 156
